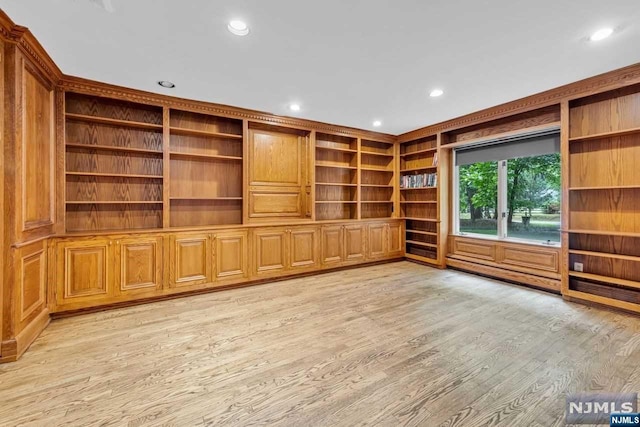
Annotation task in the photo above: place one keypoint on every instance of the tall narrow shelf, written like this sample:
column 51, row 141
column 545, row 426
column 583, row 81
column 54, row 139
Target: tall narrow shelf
column 377, row 176
column 419, row 198
column 205, row 169
column 113, row 164
column 604, row 189
column 336, row 177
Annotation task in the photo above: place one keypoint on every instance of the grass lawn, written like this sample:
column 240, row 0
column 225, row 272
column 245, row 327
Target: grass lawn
column 542, row 227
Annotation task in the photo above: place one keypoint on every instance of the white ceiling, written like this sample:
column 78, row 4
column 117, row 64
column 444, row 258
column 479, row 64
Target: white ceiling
column 346, row 62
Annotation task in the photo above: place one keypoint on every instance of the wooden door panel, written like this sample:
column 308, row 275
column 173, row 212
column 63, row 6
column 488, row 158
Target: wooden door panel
column 275, row 159
column 274, row 204
column 332, row 244
column 231, row 255
column 83, row 273
column 140, row 262
column 354, row 243
column 377, row 241
column 270, row 251
column 304, row 244
column 396, row 239
column 190, row 260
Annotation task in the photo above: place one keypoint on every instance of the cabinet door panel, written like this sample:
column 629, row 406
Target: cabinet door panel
column 84, row 276
column 275, row 158
column 354, row 247
column 332, row 245
column 304, row 248
column 274, row 204
column 231, row 255
column 396, row 239
column 190, row 260
column 377, row 241
column 140, row 262
column 270, row 252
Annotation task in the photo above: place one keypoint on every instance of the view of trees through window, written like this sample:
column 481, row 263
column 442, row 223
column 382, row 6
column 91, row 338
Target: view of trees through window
column 532, row 198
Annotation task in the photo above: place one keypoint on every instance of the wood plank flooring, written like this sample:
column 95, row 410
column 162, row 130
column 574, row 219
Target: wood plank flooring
column 394, row 344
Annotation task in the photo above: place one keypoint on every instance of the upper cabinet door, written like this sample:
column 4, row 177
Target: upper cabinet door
column 276, row 159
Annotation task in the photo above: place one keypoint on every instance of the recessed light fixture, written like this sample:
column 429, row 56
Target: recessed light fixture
column 239, row 28
column 377, row 123
column 601, row 34
column 436, row 93
column 166, row 84
column 294, row 107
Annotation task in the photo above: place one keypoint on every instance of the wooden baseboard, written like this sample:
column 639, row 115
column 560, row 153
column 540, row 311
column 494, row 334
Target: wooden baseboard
column 537, row 282
column 13, row 349
column 424, row 261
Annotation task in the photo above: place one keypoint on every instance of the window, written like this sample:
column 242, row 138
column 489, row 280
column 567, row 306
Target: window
column 510, row 189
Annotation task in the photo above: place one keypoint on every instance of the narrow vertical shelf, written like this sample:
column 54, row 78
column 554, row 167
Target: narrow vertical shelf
column 377, row 178
column 336, row 165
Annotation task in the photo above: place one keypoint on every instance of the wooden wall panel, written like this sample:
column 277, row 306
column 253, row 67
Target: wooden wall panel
column 31, row 281
column 35, row 151
column 275, row 159
column 611, row 111
column 274, row 204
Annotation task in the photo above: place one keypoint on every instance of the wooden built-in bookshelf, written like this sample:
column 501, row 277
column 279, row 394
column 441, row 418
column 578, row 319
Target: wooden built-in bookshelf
column 419, row 198
column 377, row 178
column 603, row 215
column 336, row 176
column 205, row 168
column 113, row 164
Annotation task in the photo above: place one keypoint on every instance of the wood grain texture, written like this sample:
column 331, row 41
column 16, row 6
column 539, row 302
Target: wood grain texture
column 415, row 346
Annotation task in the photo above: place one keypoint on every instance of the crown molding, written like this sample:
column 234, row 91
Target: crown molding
column 90, row 87
column 601, row 83
column 29, row 46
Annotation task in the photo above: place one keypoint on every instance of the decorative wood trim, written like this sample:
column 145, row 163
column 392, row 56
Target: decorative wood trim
column 12, row 350
column 592, row 85
column 89, row 87
column 512, row 276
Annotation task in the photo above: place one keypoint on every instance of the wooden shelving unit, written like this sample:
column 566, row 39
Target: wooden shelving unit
column 603, row 237
column 377, row 176
column 205, row 167
column 336, row 177
column 419, row 198
column 113, row 164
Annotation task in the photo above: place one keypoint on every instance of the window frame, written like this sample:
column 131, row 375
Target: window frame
column 502, row 208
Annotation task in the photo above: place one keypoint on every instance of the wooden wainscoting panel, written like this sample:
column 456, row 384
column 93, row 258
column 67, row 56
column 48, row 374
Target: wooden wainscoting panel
column 231, row 255
column 140, row 262
column 538, row 259
column 475, row 248
column 36, row 150
column 31, row 279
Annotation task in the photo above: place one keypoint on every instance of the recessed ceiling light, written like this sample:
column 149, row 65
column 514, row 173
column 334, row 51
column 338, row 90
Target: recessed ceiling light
column 435, row 93
column 377, row 123
column 294, row 107
column 601, row 34
column 166, row 84
column 239, row 28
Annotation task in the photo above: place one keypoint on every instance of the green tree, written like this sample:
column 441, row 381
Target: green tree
column 479, row 189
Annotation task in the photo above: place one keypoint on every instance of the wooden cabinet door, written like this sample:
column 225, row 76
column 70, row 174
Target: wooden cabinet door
column 270, row 251
column 396, row 239
column 304, row 244
column 354, row 246
column 377, row 241
column 332, row 245
column 231, row 256
column 84, row 273
column 190, row 262
column 138, row 265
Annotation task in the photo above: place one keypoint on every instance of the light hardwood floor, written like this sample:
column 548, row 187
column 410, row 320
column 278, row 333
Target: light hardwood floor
column 394, row 344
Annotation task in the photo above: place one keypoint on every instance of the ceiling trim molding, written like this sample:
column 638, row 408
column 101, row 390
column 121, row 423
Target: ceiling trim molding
column 80, row 85
column 29, row 45
column 601, row 83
